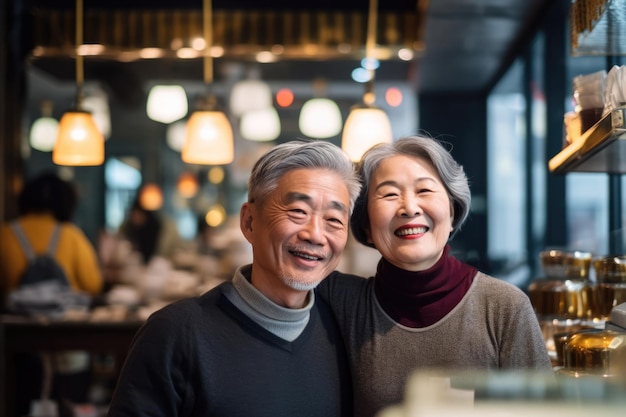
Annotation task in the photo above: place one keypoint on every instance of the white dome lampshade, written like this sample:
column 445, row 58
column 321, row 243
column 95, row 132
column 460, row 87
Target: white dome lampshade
column 167, row 103
column 365, row 127
column 99, row 108
column 209, row 139
column 248, row 95
column 175, row 135
column 260, row 125
column 79, row 141
column 320, row 118
column 43, row 133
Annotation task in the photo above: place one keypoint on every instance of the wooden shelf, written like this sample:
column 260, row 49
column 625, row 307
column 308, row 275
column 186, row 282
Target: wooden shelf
column 602, row 148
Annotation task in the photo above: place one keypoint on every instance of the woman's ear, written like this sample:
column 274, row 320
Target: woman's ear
column 368, row 236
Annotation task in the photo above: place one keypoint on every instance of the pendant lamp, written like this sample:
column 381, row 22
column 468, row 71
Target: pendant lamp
column 43, row 132
column 79, row 142
column 261, row 125
column 320, row 118
column 249, row 95
column 175, row 135
column 166, row 103
column 96, row 102
column 366, row 124
column 209, row 136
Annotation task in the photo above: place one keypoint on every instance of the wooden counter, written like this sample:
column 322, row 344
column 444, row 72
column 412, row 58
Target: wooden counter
column 19, row 334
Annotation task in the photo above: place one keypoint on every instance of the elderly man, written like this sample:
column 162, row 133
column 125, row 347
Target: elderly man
column 261, row 344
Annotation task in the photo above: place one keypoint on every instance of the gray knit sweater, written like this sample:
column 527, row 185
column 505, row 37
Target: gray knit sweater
column 493, row 327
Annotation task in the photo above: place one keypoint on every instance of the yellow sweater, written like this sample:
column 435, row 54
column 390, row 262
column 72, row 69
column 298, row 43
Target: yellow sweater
column 74, row 253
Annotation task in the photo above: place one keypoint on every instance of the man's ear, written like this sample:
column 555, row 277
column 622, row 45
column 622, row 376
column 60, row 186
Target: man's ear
column 368, row 236
column 245, row 221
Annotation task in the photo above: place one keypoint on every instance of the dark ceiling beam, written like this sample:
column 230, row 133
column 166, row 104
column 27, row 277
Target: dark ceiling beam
column 299, row 35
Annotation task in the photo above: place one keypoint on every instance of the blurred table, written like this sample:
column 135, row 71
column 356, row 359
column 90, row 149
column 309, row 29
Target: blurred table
column 22, row 334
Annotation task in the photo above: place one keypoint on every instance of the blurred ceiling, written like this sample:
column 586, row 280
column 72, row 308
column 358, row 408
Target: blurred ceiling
column 460, row 46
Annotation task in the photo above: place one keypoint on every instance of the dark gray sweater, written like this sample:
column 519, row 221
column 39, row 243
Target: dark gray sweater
column 204, row 357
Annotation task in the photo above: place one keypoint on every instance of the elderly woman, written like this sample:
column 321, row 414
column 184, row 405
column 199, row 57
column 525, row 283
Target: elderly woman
column 423, row 308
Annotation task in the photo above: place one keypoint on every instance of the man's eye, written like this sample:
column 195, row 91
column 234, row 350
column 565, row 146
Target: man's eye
column 335, row 220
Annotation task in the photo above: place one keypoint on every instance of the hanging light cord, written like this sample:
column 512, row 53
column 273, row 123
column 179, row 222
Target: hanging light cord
column 370, row 46
column 79, row 58
column 207, row 20
column 210, row 102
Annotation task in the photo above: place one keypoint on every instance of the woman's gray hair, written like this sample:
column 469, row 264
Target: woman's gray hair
column 298, row 154
column 448, row 169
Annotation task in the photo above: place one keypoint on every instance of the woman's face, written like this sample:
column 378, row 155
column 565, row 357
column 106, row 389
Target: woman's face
column 410, row 212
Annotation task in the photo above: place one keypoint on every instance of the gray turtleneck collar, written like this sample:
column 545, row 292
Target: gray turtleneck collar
column 286, row 323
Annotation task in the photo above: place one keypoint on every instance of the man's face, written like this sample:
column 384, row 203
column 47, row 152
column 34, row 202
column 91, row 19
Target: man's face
column 297, row 234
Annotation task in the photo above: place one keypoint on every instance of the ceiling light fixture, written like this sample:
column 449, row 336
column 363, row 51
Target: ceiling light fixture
column 166, row 103
column 43, row 132
column 320, row 117
column 366, row 124
column 97, row 103
column 209, row 138
column 260, row 125
column 250, row 94
column 79, row 142
column 175, row 135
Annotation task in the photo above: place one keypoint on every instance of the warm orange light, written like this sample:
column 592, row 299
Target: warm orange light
column 216, row 175
column 151, row 197
column 215, row 216
column 79, row 142
column 187, row 185
column 284, row 97
column 209, row 139
column 393, row 96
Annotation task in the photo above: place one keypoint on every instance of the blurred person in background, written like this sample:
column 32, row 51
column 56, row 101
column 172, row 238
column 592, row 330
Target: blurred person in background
column 44, row 202
column 261, row 344
column 150, row 233
column 423, row 308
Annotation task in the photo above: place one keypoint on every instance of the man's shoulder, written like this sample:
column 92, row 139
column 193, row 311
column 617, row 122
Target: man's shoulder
column 192, row 306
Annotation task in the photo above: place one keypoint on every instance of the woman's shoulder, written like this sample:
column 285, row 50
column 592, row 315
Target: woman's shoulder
column 491, row 288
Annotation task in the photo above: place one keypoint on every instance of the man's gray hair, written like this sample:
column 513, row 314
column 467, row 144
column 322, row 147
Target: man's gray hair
column 449, row 170
column 298, row 154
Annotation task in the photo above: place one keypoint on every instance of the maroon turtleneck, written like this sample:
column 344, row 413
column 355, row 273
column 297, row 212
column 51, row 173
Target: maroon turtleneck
column 421, row 298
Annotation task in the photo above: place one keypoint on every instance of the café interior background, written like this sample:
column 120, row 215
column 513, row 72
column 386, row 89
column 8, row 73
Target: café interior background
column 492, row 78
